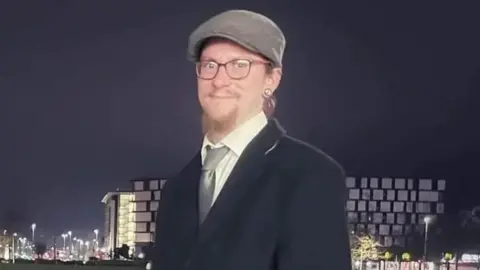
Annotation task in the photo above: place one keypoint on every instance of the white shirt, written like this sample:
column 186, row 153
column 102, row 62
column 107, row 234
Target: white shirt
column 236, row 141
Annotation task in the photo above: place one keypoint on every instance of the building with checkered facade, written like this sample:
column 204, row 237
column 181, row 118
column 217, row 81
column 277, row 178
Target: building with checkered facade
column 391, row 209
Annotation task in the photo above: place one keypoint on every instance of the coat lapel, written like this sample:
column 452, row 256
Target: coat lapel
column 248, row 169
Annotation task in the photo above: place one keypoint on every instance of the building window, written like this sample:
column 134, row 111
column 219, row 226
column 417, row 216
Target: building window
column 387, row 183
column 153, row 184
column 350, row 182
column 428, row 196
column 141, row 227
column 374, row 182
column 403, row 195
column 410, row 183
column 152, row 227
column 413, row 196
column 401, row 218
column 423, row 207
column 413, row 218
column 378, row 194
column 364, row 183
column 162, row 183
column 352, row 217
column 398, row 206
column 350, row 205
column 399, row 241
column 143, row 237
column 138, row 185
column 372, row 206
column 153, row 206
column 354, row 194
column 384, row 229
column 425, row 184
column 156, row 195
column 363, row 217
column 408, row 229
column 143, row 216
column 390, row 218
column 143, row 196
column 385, row 206
column 141, row 206
column 409, row 207
column 362, row 206
column 366, row 194
column 377, row 217
column 391, row 195
column 441, row 184
column 388, row 241
column 372, row 229
column 399, row 183
column 397, row 230
column 440, row 208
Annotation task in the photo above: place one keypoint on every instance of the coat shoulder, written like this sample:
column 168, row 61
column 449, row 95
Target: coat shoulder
column 303, row 157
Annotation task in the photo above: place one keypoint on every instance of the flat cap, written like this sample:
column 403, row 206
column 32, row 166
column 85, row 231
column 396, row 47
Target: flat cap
column 250, row 30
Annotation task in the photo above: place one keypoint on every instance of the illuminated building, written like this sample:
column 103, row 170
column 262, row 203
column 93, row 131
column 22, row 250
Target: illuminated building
column 119, row 220
column 130, row 215
column 392, row 209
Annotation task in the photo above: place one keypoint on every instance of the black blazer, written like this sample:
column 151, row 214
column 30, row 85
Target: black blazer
column 282, row 208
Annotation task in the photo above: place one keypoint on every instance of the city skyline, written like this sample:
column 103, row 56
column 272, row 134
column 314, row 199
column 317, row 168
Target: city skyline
column 94, row 96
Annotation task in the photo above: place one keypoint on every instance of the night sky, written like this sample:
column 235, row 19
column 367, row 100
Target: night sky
column 95, row 93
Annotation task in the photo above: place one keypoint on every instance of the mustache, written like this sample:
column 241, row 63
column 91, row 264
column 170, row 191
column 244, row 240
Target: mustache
column 223, row 93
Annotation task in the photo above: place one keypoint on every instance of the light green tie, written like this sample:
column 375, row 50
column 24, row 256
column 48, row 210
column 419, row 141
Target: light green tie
column 207, row 180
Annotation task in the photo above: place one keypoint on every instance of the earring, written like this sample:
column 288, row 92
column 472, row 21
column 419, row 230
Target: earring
column 267, row 93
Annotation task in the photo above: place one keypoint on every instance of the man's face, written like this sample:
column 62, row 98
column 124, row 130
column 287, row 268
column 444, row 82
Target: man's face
column 227, row 99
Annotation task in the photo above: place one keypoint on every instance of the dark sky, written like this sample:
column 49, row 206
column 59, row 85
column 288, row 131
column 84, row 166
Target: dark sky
column 94, row 93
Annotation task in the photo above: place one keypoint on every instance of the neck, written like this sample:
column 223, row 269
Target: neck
column 216, row 131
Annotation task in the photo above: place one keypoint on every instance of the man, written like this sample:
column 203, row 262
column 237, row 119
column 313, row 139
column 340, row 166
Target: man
column 252, row 198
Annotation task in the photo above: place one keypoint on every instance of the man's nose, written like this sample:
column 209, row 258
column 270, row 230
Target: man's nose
column 221, row 79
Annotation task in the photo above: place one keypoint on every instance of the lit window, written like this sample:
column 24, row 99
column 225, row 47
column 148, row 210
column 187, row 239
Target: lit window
column 378, row 194
column 138, row 185
column 374, row 182
column 350, row 181
column 399, row 183
column 354, row 194
column 428, row 196
column 153, row 184
column 386, row 183
column 441, row 184
column 403, row 195
column 425, row 184
column 350, row 206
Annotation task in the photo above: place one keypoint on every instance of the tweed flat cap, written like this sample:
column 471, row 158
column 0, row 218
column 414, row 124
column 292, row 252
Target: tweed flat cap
column 250, row 30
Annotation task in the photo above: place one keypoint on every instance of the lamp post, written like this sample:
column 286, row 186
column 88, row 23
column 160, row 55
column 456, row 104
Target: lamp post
column 34, row 226
column 13, row 247
column 64, row 236
column 70, row 239
column 95, row 245
column 427, row 221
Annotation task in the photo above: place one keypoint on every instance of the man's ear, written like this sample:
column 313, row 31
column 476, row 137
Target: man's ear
column 272, row 80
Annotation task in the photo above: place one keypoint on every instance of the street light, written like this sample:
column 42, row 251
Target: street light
column 33, row 232
column 95, row 246
column 64, row 236
column 13, row 247
column 427, row 221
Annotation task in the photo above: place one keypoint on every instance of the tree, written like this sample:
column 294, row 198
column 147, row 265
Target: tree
column 365, row 248
column 40, row 249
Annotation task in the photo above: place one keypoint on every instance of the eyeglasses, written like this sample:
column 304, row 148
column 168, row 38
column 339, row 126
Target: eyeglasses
column 236, row 69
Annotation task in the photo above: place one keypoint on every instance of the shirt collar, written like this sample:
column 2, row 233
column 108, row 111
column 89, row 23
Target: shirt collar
column 238, row 139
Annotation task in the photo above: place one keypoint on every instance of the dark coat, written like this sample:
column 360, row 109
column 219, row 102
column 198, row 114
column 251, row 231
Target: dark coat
column 282, row 208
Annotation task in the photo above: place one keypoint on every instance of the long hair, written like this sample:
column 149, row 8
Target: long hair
column 269, row 105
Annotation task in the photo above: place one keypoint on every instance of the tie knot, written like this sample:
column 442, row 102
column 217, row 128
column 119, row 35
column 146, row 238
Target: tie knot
column 213, row 157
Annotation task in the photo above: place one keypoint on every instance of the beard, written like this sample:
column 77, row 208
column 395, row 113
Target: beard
column 220, row 125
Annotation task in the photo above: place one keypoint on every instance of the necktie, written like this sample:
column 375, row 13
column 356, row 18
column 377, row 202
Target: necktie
column 207, row 180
